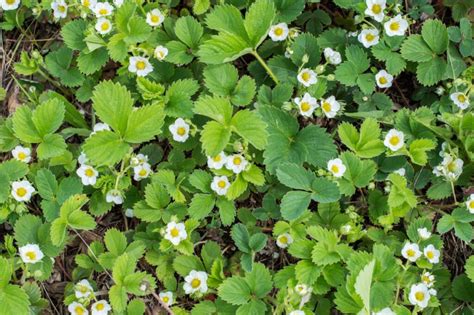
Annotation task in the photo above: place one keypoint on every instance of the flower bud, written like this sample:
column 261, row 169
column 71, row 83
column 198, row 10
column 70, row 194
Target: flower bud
column 320, row 69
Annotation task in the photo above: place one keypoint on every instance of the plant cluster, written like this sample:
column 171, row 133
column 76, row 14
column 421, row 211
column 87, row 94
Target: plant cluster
column 237, row 157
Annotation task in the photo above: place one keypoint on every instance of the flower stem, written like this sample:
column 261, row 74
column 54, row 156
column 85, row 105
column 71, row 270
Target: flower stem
column 265, row 66
column 454, row 193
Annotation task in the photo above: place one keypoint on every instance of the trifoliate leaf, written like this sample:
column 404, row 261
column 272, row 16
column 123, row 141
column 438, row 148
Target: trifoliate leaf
column 435, row 35
column 105, row 148
column 250, row 126
column 59, row 65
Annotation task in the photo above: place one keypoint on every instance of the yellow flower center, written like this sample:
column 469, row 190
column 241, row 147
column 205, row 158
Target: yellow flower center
column 21, row 192
column 410, row 253
column 142, row 172
column 305, row 106
column 165, row 299
column 369, row 37
column 79, row 310
column 104, row 26
column 100, row 306
column 335, row 169
column 31, row 255
column 326, row 106
column 89, row 172
column 461, row 98
column 86, row 3
column 181, row 131
column 394, row 26
column 83, row 289
column 394, row 140
column 419, row 296
column 306, row 76
column 140, row 65
column 383, row 80
column 217, row 158
column 283, row 239
column 471, row 204
column 103, row 11
column 430, row 255
column 376, row 8
column 195, row 283
column 10, row 2
column 278, row 31
column 221, row 184
column 21, row 155
column 155, row 18
column 237, row 160
column 425, row 279
column 61, row 8
column 452, row 166
column 174, row 232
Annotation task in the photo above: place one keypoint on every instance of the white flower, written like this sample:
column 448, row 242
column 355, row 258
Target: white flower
column 103, row 26
column 220, row 184
column 236, row 163
column 129, row 213
column 332, row 56
column 167, row 298
column 297, row 312
column 460, row 99
column 346, row 229
column 306, row 105
column 330, row 106
column 180, row 130
column 90, row 4
column 87, row 174
column 114, row 196
column 302, row 289
column 22, row 154
column 432, row 292
column 375, row 9
column 450, row 167
column 30, row 253
column 155, row 17
column 428, row 279
column 82, row 158
column 411, row 251
column 7, row 5
column 59, row 9
column 284, row 240
column 369, row 37
column 138, row 160
column 419, row 295
column 77, row 309
column 140, row 65
column 100, row 127
column 432, row 254
column 175, row 232
column 101, row 307
column 141, row 171
column 470, row 203
column 424, row 233
column 385, row 311
column 196, row 281
column 217, row 162
column 383, row 79
column 394, row 140
column 307, row 77
column 278, row 32
column 400, row 171
column 22, row 190
column 83, row 289
column 118, row 3
column 161, row 52
column 336, row 167
column 103, row 9
column 396, row 26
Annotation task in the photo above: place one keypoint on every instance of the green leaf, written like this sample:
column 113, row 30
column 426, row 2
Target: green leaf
column 255, row 307
column 14, row 300
column 73, row 34
column 418, row 149
column 24, row 127
column 401, row 198
column 324, row 190
column 294, row 176
column 144, row 123
column 89, row 63
column 221, row 79
column 318, row 144
column 201, row 205
column 415, row 49
column 363, row 284
column 244, row 91
column 226, row 211
column 115, row 241
column 46, row 184
column 250, row 126
column 258, row 20
column 201, row 6
column 113, row 104
column 294, row 203
column 288, row 10
column 214, row 138
column 358, row 174
column 469, row 267
column 241, row 237
column 53, row 145
column 235, row 291
column 58, row 64
column 105, row 148
column 217, row 108
column 435, row 34
column 394, row 62
column 189, row 31
column 365, row 144
column 431, row 72
column 305, row 45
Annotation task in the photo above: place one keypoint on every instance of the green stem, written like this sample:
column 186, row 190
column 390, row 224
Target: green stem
column 265, row 66
column 454, row 193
